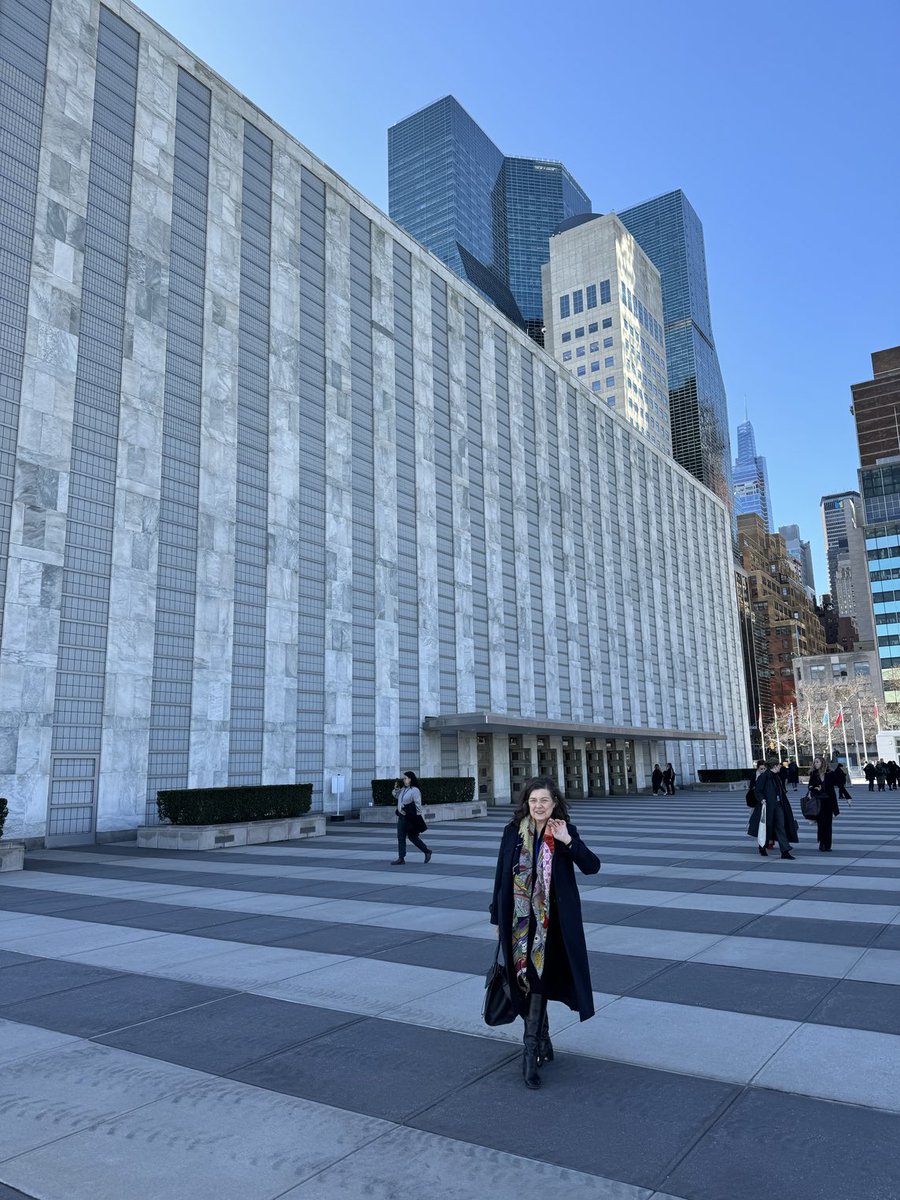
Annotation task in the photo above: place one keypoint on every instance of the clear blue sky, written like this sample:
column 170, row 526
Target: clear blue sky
column 778, row 119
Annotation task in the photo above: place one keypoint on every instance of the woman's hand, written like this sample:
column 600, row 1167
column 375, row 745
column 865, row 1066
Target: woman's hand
column 560, row 831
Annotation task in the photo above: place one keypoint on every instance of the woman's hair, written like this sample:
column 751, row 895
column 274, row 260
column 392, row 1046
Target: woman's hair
column 412, row 777
column 560, row 812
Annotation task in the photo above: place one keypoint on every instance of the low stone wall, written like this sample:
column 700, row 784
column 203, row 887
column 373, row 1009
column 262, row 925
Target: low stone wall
column 12, row 856
column 221, row 837
column 433, row 813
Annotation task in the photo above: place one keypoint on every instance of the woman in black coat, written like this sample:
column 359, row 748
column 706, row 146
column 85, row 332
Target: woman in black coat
column 822, row 784
column 537, row 911
column 656, row 780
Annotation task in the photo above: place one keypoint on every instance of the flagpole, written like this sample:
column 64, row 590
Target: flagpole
column 856, row 746
column 830, row 743
column 877, row 718
column 794, row 727
column 862, row 726
column 812, row 740
column 777, row 734
column 844, row 731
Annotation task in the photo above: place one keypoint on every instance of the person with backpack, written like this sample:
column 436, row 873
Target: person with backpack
column 881, row 774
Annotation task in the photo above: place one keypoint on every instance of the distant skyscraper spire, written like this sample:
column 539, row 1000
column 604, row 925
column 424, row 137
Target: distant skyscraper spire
column 750, row 478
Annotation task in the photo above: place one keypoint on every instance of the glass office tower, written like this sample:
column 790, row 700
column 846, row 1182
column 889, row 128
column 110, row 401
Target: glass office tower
column 875, row 404
column 487, row 216
column 671, row 235
column 751, row 478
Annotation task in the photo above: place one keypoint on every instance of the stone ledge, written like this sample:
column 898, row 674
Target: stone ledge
column 12, row 856
column 221, row 837
column 433, row 813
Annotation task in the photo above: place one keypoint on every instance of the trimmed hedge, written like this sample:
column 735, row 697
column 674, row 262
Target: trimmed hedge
column 436, row 790
column 4, row 813
column 727, row 774
column 219, row 805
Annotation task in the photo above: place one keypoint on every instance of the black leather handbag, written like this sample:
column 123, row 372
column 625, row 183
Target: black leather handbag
column 498, row 1008
column 415, row 823
column 810, row 805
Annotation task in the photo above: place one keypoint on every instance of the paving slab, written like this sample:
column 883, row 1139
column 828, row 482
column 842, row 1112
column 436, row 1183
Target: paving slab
column 409, row 1164
column 388, row 1056
column 770, row 954
column 232, row 1141
column 225, row 1034
column 649, row 943
column 855, row 1066
column 736, row 989
column 856, row 1004
column 93, row 1008
column 877, row 966
column 368, row 986
column 48, row 1096
column 730, row 1046
column 820, row 1152
column 586, row 1117
column 22, row 1041
column 41, row 976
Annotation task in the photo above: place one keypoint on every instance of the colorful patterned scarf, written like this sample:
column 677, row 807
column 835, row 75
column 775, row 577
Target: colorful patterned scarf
column 531, row 895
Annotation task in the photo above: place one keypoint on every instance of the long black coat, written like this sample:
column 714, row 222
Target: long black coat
column 564, row 903
column 769, row 787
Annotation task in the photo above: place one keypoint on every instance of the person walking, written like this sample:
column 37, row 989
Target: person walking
column 822, row 782
column 881, row 774
column 410, row 822
column 537, row 911
column 892, row 771
column 869, row 772
column 669, row 779
column 793, row 775
column 840, row 782
column 780, row 822
column 656, row 779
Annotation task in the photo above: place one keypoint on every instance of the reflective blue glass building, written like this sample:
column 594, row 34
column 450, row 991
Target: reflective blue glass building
column 751, row 478
column 489, row 217
column 669, row 232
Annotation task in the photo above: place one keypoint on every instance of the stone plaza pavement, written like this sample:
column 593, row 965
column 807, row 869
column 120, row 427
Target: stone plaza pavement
column 303, row 1020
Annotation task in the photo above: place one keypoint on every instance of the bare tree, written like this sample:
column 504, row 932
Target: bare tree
column 837, row 710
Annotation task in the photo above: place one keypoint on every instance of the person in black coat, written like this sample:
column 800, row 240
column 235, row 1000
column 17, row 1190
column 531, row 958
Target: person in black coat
column 669, row 779
column 793, row 774
column 656, row 780
column 537, row 911
column 780, row 821
column 869, row 772
column 822, row 783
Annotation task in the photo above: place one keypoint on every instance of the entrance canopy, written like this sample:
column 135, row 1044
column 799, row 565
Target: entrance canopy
column 486, row 722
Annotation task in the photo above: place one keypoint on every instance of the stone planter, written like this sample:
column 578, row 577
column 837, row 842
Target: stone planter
column 434, row 814
column 12, row 856
column 221, row 837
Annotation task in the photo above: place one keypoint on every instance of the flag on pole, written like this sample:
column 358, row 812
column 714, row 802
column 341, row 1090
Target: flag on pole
column 759, row 719
column 838, row 719
column 826, row 719
column 791, row 718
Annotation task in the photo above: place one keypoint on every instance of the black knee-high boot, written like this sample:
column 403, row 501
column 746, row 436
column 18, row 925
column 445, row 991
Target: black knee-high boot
column 533, row 1017
column 545, row 1046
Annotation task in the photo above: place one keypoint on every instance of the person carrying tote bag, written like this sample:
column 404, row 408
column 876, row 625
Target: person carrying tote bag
column 410, row 822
